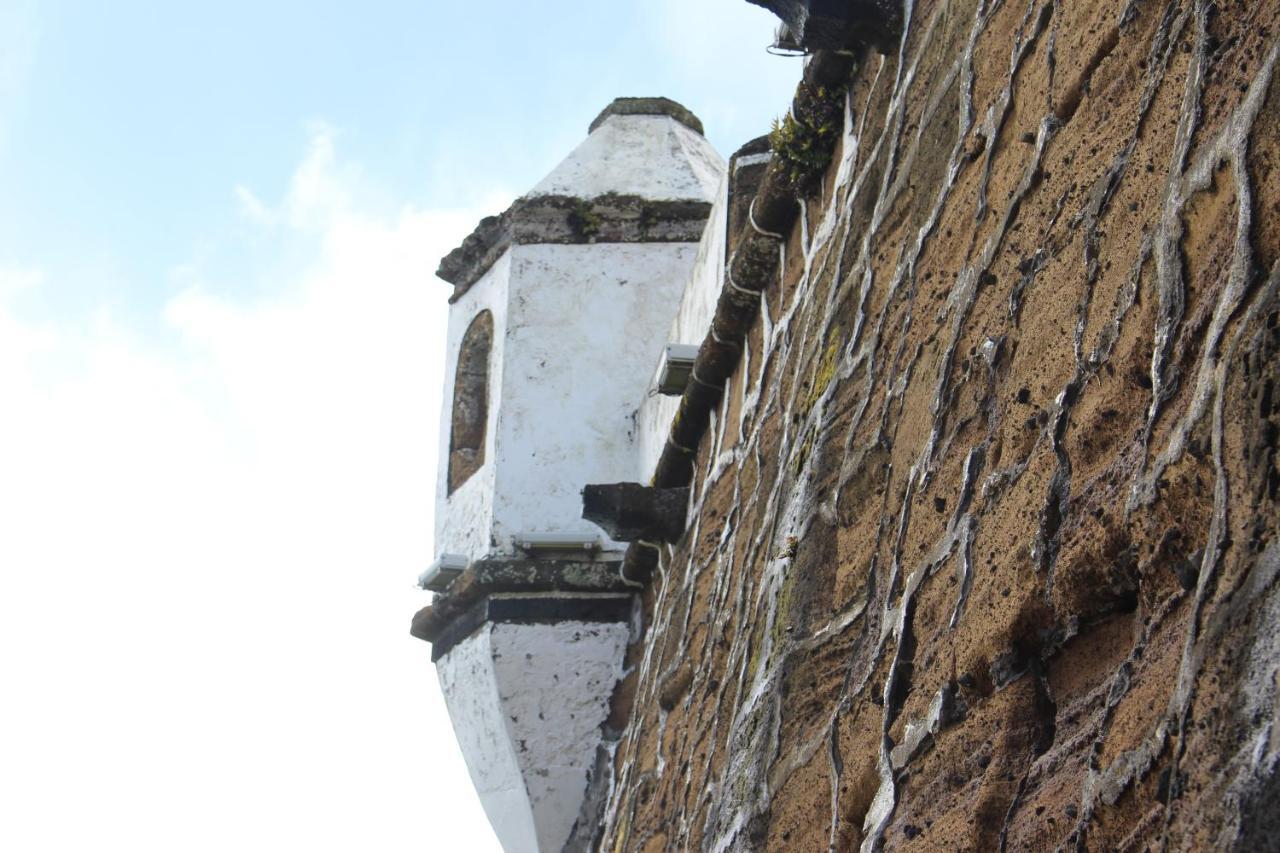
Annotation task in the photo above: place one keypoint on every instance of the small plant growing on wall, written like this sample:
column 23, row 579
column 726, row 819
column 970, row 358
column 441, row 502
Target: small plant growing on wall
column 805, row 139
column 584, row 220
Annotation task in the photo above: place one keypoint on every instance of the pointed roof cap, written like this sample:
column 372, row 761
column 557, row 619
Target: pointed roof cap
column 648, row 107
column 650, row 148
column 644, row 174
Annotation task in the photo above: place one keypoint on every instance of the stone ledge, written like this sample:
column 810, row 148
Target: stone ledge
column 493, row 576
column 531, row 610
column 629, row 512
column 609, row 218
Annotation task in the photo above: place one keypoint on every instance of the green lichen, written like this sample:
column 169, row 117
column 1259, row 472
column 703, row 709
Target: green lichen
column 756, row 645
column 815, row 388
column 802, row 455
column 825, row 373
column 804, row 140
column 782, row 607
column 584, row 220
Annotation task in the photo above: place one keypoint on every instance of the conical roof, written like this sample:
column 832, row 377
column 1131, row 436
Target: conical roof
column 651, row 148
column 645, row 173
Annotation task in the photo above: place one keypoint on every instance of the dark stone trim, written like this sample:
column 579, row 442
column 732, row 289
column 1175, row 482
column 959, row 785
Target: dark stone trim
column 610, row 218
column 746, row 171
column 648, row 107
column 630, row 511
column 541, row 610
column 759, row 145
column 589, row 827
column 531, row 575
column 838, row 24
column 640, row 563
column 486, row 577
column 459, row 629
column 548, row 611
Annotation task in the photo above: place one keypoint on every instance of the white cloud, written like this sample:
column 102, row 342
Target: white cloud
column 209, row 548
column 253, row 208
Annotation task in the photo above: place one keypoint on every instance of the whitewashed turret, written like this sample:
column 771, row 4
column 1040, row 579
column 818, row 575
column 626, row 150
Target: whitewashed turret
column 559, row 312
column 580, row 278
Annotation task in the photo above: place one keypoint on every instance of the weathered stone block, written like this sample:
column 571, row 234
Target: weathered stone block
column 629, row 511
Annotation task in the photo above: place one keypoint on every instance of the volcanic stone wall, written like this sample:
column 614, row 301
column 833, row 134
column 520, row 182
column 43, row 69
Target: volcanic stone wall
column 982, row 552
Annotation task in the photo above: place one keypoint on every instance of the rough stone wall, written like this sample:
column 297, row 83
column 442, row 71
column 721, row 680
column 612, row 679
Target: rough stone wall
column 983, row 552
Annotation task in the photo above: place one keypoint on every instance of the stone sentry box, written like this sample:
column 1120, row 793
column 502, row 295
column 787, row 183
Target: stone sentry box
column 580, row 279
column 559, row 312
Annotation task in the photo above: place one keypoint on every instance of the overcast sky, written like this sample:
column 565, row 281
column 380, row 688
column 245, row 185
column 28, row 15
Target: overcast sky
column 220, row 358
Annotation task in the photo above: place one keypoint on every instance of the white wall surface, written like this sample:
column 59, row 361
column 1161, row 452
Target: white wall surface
column 654, row 157
column 554, row 683
column 527, row 703
column 578, row 330
column 585, row 326
column 464, row 520
column 470, row 690
column 690, row 325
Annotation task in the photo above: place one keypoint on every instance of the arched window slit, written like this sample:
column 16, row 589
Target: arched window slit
column 470, row 402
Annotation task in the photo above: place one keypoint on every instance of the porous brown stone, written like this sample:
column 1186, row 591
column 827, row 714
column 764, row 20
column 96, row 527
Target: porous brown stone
column 995, row 563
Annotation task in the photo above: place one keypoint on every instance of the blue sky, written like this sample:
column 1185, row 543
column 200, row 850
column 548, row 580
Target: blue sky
column 220, row 357
column 133, row 120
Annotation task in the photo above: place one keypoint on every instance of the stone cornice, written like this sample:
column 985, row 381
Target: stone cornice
column 530, row 610
column 515, row 575
column 556, row 219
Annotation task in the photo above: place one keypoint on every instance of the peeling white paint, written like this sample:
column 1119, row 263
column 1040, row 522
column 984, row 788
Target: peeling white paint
column 578, row 330
column 586, row 326
column 651, row 156
column 689, row 326
column 471, row 695
column 527, row 703
column 464, row 520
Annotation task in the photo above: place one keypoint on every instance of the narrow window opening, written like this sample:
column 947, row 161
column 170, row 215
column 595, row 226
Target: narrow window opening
column 470, row 401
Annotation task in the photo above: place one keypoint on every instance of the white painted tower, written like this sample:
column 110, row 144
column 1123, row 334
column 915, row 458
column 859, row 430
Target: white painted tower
column 560, row 310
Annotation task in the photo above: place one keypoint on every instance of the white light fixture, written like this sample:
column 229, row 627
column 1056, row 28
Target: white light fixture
column 558, row 541
column 443, row 572
column 675, row 368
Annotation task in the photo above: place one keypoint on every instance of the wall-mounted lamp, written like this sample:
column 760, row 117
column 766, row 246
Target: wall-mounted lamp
column 443, row 572
column 558, row 541
column 785, row 43
column 675, row 368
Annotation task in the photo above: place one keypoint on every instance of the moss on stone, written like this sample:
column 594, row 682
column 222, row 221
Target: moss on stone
column 804, row 140
column 825, row 373
column 584, row 220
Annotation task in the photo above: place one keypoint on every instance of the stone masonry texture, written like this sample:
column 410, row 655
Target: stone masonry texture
column 982, row 551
